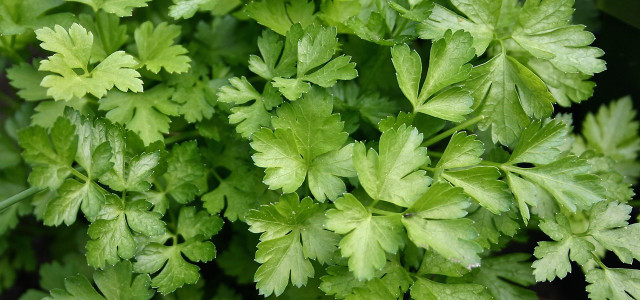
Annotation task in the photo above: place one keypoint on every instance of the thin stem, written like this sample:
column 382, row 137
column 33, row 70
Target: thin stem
column 77, row 173
column 18, row 197
column 451, row 131
column 182, row 136
column 373, row 204
column 598, row 261
column 435, row 153
column 382, row 212
column 491, row 163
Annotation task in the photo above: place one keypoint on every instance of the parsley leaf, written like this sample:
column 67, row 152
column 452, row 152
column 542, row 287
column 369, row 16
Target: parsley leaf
column 249, row 118
column 196, row 227
column 435, row 221
column 608, row 228
column 156, row 49
column 367, row 237
column 114, row 283
column 280, row 15
column 308, row 141
column 392, row 175
column 73, row 52
column 293, row 233
column 111, row 234
column 448, row 66
column 427, row 289
column 147, row 114
column 459, row 166
column 613, row 283
column 121, row 8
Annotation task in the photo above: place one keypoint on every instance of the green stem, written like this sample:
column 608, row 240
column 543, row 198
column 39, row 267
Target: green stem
column 18, row 197
column 435, row 153
column 491, row 163
column 382, row 212
column 598, row 261
column 182, row 136
column 463, row 125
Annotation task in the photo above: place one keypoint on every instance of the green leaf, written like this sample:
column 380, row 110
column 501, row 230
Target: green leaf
column 367, row 238
column 175, row 270
column 132, row 166
column 292, row 233
column 483, row 185
column 567, row 180
column 480, row 22
column 315, row 49
column 156, row 48
column 613, row 132
column 391, row 282
column 540, row 144
column 307, row 140
column 505, row 276
column 435, row 221
column 121, row 8
column 448, row 66
column 280, row 15
column 114, row 283
column 73, row 52
column 613, row 283
column 427, row 289
column 564, row 45
column 393, row 175
column 147, row 114
column 508, row 109
column 249, row 118
column 491, row 227
column 50, row 155
column 26, row 79
column 187, row 8
column 185, row 172
column 18, row 16
column 111, row 235
column 109, row 35
column 566, row 88
column 607, row 228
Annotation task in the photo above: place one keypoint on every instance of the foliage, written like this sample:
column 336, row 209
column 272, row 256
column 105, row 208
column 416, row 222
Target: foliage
column 345, row 149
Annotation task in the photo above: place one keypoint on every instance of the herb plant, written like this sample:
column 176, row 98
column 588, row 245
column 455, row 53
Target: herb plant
column 347, row 149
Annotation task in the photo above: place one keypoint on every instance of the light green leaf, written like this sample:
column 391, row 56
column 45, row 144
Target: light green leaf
column 293, row 232
column 147, row 114
column 307, row 139
column 73, row 52
column 121, row 8
column 367, row 238
column 156, row 48
column 393, row 175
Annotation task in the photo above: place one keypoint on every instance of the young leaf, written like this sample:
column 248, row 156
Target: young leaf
column 448, row 66
column 73, row 52
column 156, row 49
column 367, row 237
column 315, row 50
column 393, row 175
column 307, row 141
column 292, row 233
